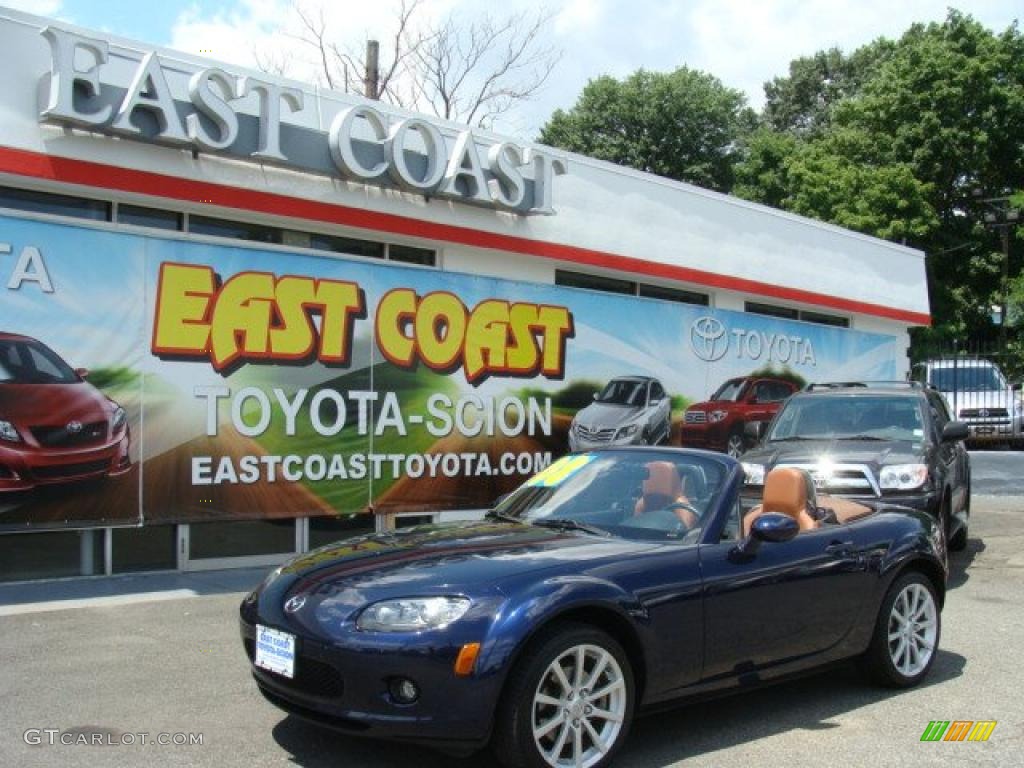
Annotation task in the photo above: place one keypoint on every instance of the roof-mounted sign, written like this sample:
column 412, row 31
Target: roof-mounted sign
column 364, row 143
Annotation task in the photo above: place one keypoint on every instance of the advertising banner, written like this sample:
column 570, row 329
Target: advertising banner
column 230, row 382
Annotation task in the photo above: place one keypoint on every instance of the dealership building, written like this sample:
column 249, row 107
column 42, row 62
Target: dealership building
column 131, row 150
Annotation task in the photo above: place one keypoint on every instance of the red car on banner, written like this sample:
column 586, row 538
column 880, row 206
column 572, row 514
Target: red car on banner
column 718, row 424
column 55, row 427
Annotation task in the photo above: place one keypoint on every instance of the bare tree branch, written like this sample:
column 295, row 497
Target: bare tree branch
column 467, row 71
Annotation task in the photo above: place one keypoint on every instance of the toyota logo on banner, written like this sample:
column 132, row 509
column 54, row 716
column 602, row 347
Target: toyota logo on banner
column 708, row 338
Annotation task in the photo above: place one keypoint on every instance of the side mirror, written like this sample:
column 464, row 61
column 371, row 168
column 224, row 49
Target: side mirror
column 82, row 373
column 654, row 401
column 955, row 431
column 773, row 528
column 754, row 430
column 594, row 396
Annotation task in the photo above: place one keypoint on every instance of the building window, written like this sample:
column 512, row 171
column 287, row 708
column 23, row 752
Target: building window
column 409, row 255
column 237, row 230
column 594, row 282
column 155, row 218
column 347, row 245
column 57, row 205
column 791, row 313
column 673, row 294
column 822, row 319
column 151, row 548
column 51, row 555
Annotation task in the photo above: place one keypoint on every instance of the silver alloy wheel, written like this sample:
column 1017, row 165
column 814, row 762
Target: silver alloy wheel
column 579, row 707
column 735, row 446
column 913, row 628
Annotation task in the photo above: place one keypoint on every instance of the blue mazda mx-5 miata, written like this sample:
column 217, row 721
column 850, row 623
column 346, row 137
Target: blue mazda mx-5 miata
column 610, row 582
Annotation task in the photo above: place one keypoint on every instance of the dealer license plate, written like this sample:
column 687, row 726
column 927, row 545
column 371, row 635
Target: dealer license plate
column 275, row 651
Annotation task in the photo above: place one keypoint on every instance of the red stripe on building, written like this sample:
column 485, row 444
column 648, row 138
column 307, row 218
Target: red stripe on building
column 109, row 177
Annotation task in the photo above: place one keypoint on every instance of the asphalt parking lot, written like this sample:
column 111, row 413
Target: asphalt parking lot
column 169, row 662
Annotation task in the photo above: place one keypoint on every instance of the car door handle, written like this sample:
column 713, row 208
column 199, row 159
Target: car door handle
column 839, row 548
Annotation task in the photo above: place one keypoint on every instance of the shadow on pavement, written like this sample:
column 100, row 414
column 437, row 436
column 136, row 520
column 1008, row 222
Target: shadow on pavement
column 960, row 562
column 807, row 704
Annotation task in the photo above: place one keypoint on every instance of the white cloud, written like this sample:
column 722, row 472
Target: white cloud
column 38, row 7
column 744, row 44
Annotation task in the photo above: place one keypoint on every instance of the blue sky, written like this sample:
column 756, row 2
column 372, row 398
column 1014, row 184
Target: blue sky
column 741, row 42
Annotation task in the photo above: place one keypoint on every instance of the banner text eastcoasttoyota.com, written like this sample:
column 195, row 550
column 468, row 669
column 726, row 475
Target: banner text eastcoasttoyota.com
column 158, row 379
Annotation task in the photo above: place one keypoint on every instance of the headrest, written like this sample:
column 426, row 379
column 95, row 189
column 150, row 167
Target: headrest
column 785, row 491
column 662, row 480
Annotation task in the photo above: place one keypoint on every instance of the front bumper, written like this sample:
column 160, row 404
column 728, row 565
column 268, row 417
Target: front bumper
column 24, row 467
column 711, row 437
column 344, row 686
column 578, row 443
column 994, row 430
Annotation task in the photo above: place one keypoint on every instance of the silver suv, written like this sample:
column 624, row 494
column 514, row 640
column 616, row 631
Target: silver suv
column 630, row 410
column 979, row 394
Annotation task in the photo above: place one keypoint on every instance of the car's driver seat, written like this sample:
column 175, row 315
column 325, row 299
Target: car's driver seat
column 661, row 488
column 785, row 492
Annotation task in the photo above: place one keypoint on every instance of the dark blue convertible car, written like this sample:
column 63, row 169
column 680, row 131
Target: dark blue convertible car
column 610, row 582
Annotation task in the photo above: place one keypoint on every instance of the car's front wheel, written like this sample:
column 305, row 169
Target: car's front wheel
column 568, row 702
column 907, row 633
column 735, row 446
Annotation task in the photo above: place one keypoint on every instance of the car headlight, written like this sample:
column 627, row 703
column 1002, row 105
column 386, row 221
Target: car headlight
column 628, row 431
column 903, row 477
column 9, row 433
column 753, row 473
column 120, row 417
column 412, row 614
column 716, row 416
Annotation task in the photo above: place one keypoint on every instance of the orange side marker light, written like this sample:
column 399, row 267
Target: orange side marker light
column 466, row 659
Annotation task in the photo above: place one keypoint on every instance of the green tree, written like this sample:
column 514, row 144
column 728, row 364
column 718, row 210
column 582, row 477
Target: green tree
column 898, row 149
column 802, row 102
column 684, row 125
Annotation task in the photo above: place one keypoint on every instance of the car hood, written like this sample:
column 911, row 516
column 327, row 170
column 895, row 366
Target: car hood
column 605, row 416
column 874, row 454
column 52, row 404
column 458, row 558
column 712, row 405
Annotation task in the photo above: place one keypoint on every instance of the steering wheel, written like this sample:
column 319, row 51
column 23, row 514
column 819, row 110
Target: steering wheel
column 686, row 507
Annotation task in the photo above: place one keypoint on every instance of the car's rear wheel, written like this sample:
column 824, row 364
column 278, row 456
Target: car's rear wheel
column 735, row 445
column 907, row 633
column 569, row 702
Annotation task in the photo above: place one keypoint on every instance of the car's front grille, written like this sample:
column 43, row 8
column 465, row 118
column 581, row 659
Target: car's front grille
column 983, row 413
column 848, row 478
column 695, row 417
column 57, row 471
column 68, row 435
column 312, row 676
column 595, row 435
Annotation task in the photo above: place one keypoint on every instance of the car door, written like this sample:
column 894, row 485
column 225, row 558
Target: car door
column 789, row 602
column 659, row 411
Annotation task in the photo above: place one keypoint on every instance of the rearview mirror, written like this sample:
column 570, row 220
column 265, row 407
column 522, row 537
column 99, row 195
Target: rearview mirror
column 955, row 431
column 772, row 527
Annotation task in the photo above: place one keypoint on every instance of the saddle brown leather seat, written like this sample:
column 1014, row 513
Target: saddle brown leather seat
column 785, row 492
column 661, row 488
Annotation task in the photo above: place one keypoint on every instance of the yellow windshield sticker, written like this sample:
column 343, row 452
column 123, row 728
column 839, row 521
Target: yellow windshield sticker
column 561, row 470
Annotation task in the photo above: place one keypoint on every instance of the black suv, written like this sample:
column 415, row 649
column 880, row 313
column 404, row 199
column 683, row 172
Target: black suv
column 872, row 442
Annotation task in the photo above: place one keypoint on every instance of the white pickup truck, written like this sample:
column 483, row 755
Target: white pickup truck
column 979, row 394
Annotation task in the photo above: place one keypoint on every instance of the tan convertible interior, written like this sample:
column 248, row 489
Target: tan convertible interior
column 790, row 491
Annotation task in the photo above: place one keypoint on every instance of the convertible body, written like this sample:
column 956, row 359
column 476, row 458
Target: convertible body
column 693, row 603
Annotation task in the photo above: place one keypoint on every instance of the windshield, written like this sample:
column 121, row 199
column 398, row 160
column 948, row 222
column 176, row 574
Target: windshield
column 868, row 417
column 628, row 494
column 29, row 362
column 624, row 392
column 974, row 378
column 730, row 391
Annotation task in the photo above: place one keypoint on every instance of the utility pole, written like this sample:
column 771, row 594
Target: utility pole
column 1002, row 217
column 372, row 79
